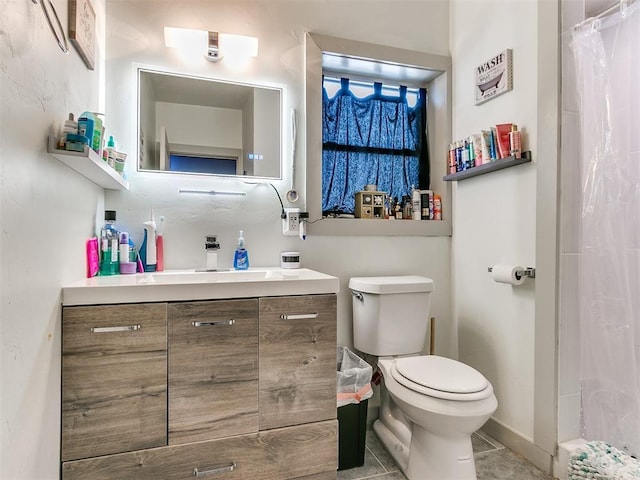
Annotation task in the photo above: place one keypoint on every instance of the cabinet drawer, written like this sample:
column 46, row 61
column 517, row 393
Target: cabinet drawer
column 305, row 451
column 213, row 369
column 114, row 379
column 297, row 360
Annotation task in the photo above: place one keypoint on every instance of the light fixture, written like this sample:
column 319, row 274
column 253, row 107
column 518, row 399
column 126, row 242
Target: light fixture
column 211, row 192
column 213, row 45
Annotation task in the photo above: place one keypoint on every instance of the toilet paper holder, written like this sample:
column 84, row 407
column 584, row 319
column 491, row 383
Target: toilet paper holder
column 527, row 272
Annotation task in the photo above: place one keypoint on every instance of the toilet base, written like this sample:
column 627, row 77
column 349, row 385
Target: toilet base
column 398, row 451
column 440, row 458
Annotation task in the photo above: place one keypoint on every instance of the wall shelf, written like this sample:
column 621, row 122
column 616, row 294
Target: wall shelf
column 488, row 167
column 89, row 164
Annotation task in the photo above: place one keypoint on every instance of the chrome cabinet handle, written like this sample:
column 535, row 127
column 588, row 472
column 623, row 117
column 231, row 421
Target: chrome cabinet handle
column 126, row 328
column 213, row 324
column 205, row 473
column 298, row 317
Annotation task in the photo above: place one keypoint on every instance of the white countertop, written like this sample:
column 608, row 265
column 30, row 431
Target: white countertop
column 181, row 285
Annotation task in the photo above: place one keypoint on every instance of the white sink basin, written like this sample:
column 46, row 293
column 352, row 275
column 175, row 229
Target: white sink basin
column 181, row 285
column 220, row 276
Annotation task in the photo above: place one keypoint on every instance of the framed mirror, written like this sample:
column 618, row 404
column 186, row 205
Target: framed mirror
column 199, row 125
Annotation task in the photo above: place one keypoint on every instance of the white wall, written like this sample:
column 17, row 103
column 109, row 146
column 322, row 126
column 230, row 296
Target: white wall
column 495, row 214
column 47, row 211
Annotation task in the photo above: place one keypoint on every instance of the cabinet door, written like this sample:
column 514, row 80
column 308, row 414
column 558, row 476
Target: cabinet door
column 297, row 360
column 213, row 369
column 114, row 379
column 303, row 452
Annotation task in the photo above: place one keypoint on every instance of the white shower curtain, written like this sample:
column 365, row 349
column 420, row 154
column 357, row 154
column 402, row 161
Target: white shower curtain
column 607, row 58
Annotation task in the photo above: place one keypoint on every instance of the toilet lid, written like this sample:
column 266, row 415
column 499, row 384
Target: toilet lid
column 441, row 374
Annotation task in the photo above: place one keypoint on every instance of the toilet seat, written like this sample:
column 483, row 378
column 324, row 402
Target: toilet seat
column 441, row 377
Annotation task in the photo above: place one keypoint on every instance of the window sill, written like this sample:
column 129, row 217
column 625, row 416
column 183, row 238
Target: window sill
column 372, row 227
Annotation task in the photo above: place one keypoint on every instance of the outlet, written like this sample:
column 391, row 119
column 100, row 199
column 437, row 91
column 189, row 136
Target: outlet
column 291, row 222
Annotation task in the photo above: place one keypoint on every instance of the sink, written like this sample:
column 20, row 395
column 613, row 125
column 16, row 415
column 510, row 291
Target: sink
column 181, row 285
column 219, row 276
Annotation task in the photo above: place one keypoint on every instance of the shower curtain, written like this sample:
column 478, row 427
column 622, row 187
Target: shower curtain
column 607, row 60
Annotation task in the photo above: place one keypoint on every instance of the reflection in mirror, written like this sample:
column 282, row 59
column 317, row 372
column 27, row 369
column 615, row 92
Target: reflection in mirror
column 200, row 125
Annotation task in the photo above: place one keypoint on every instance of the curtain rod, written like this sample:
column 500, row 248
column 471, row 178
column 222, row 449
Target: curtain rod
column 370, row 84
column 621, row 5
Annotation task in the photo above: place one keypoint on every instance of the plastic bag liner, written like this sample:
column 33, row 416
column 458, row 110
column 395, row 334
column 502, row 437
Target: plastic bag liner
column 353, row 377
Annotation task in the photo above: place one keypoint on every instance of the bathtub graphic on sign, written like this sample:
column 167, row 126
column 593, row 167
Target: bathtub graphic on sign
column 494, row 77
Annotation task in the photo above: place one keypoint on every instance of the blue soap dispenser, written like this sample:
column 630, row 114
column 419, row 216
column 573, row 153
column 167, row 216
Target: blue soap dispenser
column 241, row 257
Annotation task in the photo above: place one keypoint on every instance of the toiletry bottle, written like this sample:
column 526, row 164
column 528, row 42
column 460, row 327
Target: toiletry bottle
column 70, row 128
column 148, row 248
column 127, row 257
column 85, row 128
column 95, row 138
column 415, row 203
column 397, row 209
column 159, row 248
column 241, row 258
column 111, row 152
column 109, row 249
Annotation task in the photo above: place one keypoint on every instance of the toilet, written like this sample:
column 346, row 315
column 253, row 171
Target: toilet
column 429, row 405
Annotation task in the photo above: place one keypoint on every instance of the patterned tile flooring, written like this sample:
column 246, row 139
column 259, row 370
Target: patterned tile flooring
column 493, row 462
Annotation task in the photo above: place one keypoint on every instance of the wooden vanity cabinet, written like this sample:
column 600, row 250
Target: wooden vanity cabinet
column 213, row 369
column 297, row 360
column 238, row 389
column 303, row 452
column 114, row 379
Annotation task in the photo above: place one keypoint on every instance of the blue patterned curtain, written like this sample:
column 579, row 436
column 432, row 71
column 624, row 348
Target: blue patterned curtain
column 374, row 140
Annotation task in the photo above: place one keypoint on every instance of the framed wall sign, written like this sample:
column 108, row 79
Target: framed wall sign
column 494, row 77
column 82, row 30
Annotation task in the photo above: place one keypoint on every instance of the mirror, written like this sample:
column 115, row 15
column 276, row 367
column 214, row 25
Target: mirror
column 199, row 125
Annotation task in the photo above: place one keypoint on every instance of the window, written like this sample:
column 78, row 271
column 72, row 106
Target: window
column 371, row 134
column 339, row 57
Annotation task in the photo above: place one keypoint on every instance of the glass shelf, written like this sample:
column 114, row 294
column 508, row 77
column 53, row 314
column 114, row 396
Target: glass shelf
column 89, row 164
column 488, row 167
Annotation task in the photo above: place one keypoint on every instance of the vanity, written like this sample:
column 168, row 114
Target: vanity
column 183, row 374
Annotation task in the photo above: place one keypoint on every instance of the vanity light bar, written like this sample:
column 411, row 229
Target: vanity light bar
column 212, row 192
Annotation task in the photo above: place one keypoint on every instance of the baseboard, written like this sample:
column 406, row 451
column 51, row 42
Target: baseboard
column 520, row 445
column 565, row 449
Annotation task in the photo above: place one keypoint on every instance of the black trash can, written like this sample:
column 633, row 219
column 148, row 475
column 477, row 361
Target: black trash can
column 352, row 433
column 354, row 391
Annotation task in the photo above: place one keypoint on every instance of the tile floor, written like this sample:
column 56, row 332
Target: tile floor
column 493, row 462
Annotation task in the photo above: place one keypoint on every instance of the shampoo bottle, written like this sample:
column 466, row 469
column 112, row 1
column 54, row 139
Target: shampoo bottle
column 241, row 258
column 148, row 248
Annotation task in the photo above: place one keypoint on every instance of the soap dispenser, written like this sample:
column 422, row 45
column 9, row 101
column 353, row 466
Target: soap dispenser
column 148, row 254
column 241, row 258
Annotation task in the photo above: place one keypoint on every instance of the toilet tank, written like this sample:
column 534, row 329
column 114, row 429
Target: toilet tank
column 390, row 314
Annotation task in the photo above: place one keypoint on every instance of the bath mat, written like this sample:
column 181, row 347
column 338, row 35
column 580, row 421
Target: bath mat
column 600, row 461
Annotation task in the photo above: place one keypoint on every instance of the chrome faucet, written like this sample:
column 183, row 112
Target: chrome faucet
column 211, row 246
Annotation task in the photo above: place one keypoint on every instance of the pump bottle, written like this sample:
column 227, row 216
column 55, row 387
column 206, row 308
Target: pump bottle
column 241, row 257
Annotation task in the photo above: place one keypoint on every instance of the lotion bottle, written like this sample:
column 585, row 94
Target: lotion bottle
column 241, row 257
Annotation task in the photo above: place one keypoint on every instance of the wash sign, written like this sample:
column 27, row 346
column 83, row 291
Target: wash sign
column 494, row 77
